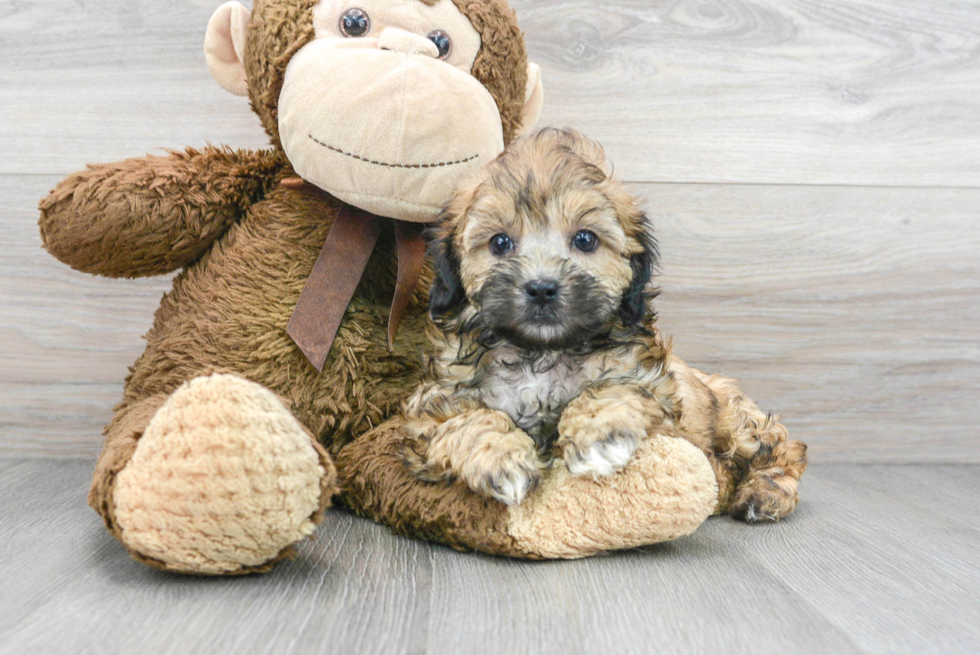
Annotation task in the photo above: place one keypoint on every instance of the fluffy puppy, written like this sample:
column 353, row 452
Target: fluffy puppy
column 547, row 345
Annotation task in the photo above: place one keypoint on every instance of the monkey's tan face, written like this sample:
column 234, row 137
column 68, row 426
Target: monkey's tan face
column 546, row 249
column 381, row 110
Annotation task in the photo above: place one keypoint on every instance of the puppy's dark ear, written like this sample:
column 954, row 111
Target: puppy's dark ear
column 447, row 293
column 644, row 263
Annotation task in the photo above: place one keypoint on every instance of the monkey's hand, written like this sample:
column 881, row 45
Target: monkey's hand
column 481, row 447
column 152, row 215
column 599, row 431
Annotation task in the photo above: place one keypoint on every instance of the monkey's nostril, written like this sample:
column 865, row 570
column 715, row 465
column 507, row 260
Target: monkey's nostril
column 542, row 291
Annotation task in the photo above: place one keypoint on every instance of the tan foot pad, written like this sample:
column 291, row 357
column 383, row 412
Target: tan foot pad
column 223, row 479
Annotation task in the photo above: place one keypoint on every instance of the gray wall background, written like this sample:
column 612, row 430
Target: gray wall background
column 813, row 169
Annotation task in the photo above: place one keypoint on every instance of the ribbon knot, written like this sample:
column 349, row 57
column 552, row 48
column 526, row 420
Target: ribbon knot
column 338, row 270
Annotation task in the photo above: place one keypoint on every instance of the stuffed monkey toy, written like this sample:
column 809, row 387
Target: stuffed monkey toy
column 271, row 366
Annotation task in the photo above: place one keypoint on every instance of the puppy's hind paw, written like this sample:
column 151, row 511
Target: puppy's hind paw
column 602, row 458
column 765, row 496
column 751, row 511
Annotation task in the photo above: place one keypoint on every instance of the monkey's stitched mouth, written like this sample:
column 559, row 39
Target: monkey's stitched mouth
column 386, row 164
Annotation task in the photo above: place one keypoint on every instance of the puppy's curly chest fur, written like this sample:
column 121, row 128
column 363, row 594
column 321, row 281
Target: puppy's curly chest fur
column 534, row 391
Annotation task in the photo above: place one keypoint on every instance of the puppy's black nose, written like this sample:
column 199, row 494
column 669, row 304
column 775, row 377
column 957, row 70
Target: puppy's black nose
column 542, row 292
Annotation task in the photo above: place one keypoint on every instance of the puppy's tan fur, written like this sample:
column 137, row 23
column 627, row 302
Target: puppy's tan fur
column 504, row 396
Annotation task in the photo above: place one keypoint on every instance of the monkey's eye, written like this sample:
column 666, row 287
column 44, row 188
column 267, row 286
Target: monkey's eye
column 442, row 41
column 586, row 241
column 501, row 244
column 354, row 23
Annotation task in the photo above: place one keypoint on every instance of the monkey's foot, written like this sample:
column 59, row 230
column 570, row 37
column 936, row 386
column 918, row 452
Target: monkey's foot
column 223, row 480
column 666, row 491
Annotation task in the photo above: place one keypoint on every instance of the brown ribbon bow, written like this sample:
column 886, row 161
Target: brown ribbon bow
column 338, row 270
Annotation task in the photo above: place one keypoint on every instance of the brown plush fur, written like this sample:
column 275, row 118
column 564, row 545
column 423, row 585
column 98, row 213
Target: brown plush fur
column 247, row 246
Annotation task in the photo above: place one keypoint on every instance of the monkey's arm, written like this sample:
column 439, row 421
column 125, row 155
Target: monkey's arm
column 152, row 215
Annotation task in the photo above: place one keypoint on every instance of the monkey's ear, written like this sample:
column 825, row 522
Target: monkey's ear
column 224, row 46
column 447, row 292
column 533, row 100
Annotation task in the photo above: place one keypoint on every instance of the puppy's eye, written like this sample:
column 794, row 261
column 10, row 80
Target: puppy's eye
column 501, row 244
column 442, row 41
column 586, row 241
column 355, row 23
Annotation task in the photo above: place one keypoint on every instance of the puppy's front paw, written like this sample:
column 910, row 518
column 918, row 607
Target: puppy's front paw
column 603, row 457
column 484, row 449
column 507, row 474
column 599, row 443
column 511, row 483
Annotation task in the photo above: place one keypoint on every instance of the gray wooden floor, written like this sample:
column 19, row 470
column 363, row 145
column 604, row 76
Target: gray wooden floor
column 877, row 559
column 813, row 171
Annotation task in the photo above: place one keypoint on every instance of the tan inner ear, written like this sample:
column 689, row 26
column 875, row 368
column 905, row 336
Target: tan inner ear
column 224, row 46
column 533, row 100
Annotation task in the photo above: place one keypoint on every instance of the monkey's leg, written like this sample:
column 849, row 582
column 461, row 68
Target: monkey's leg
column 666, row 491
column 600, row 430
column 481, row 447
column 217, row 478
